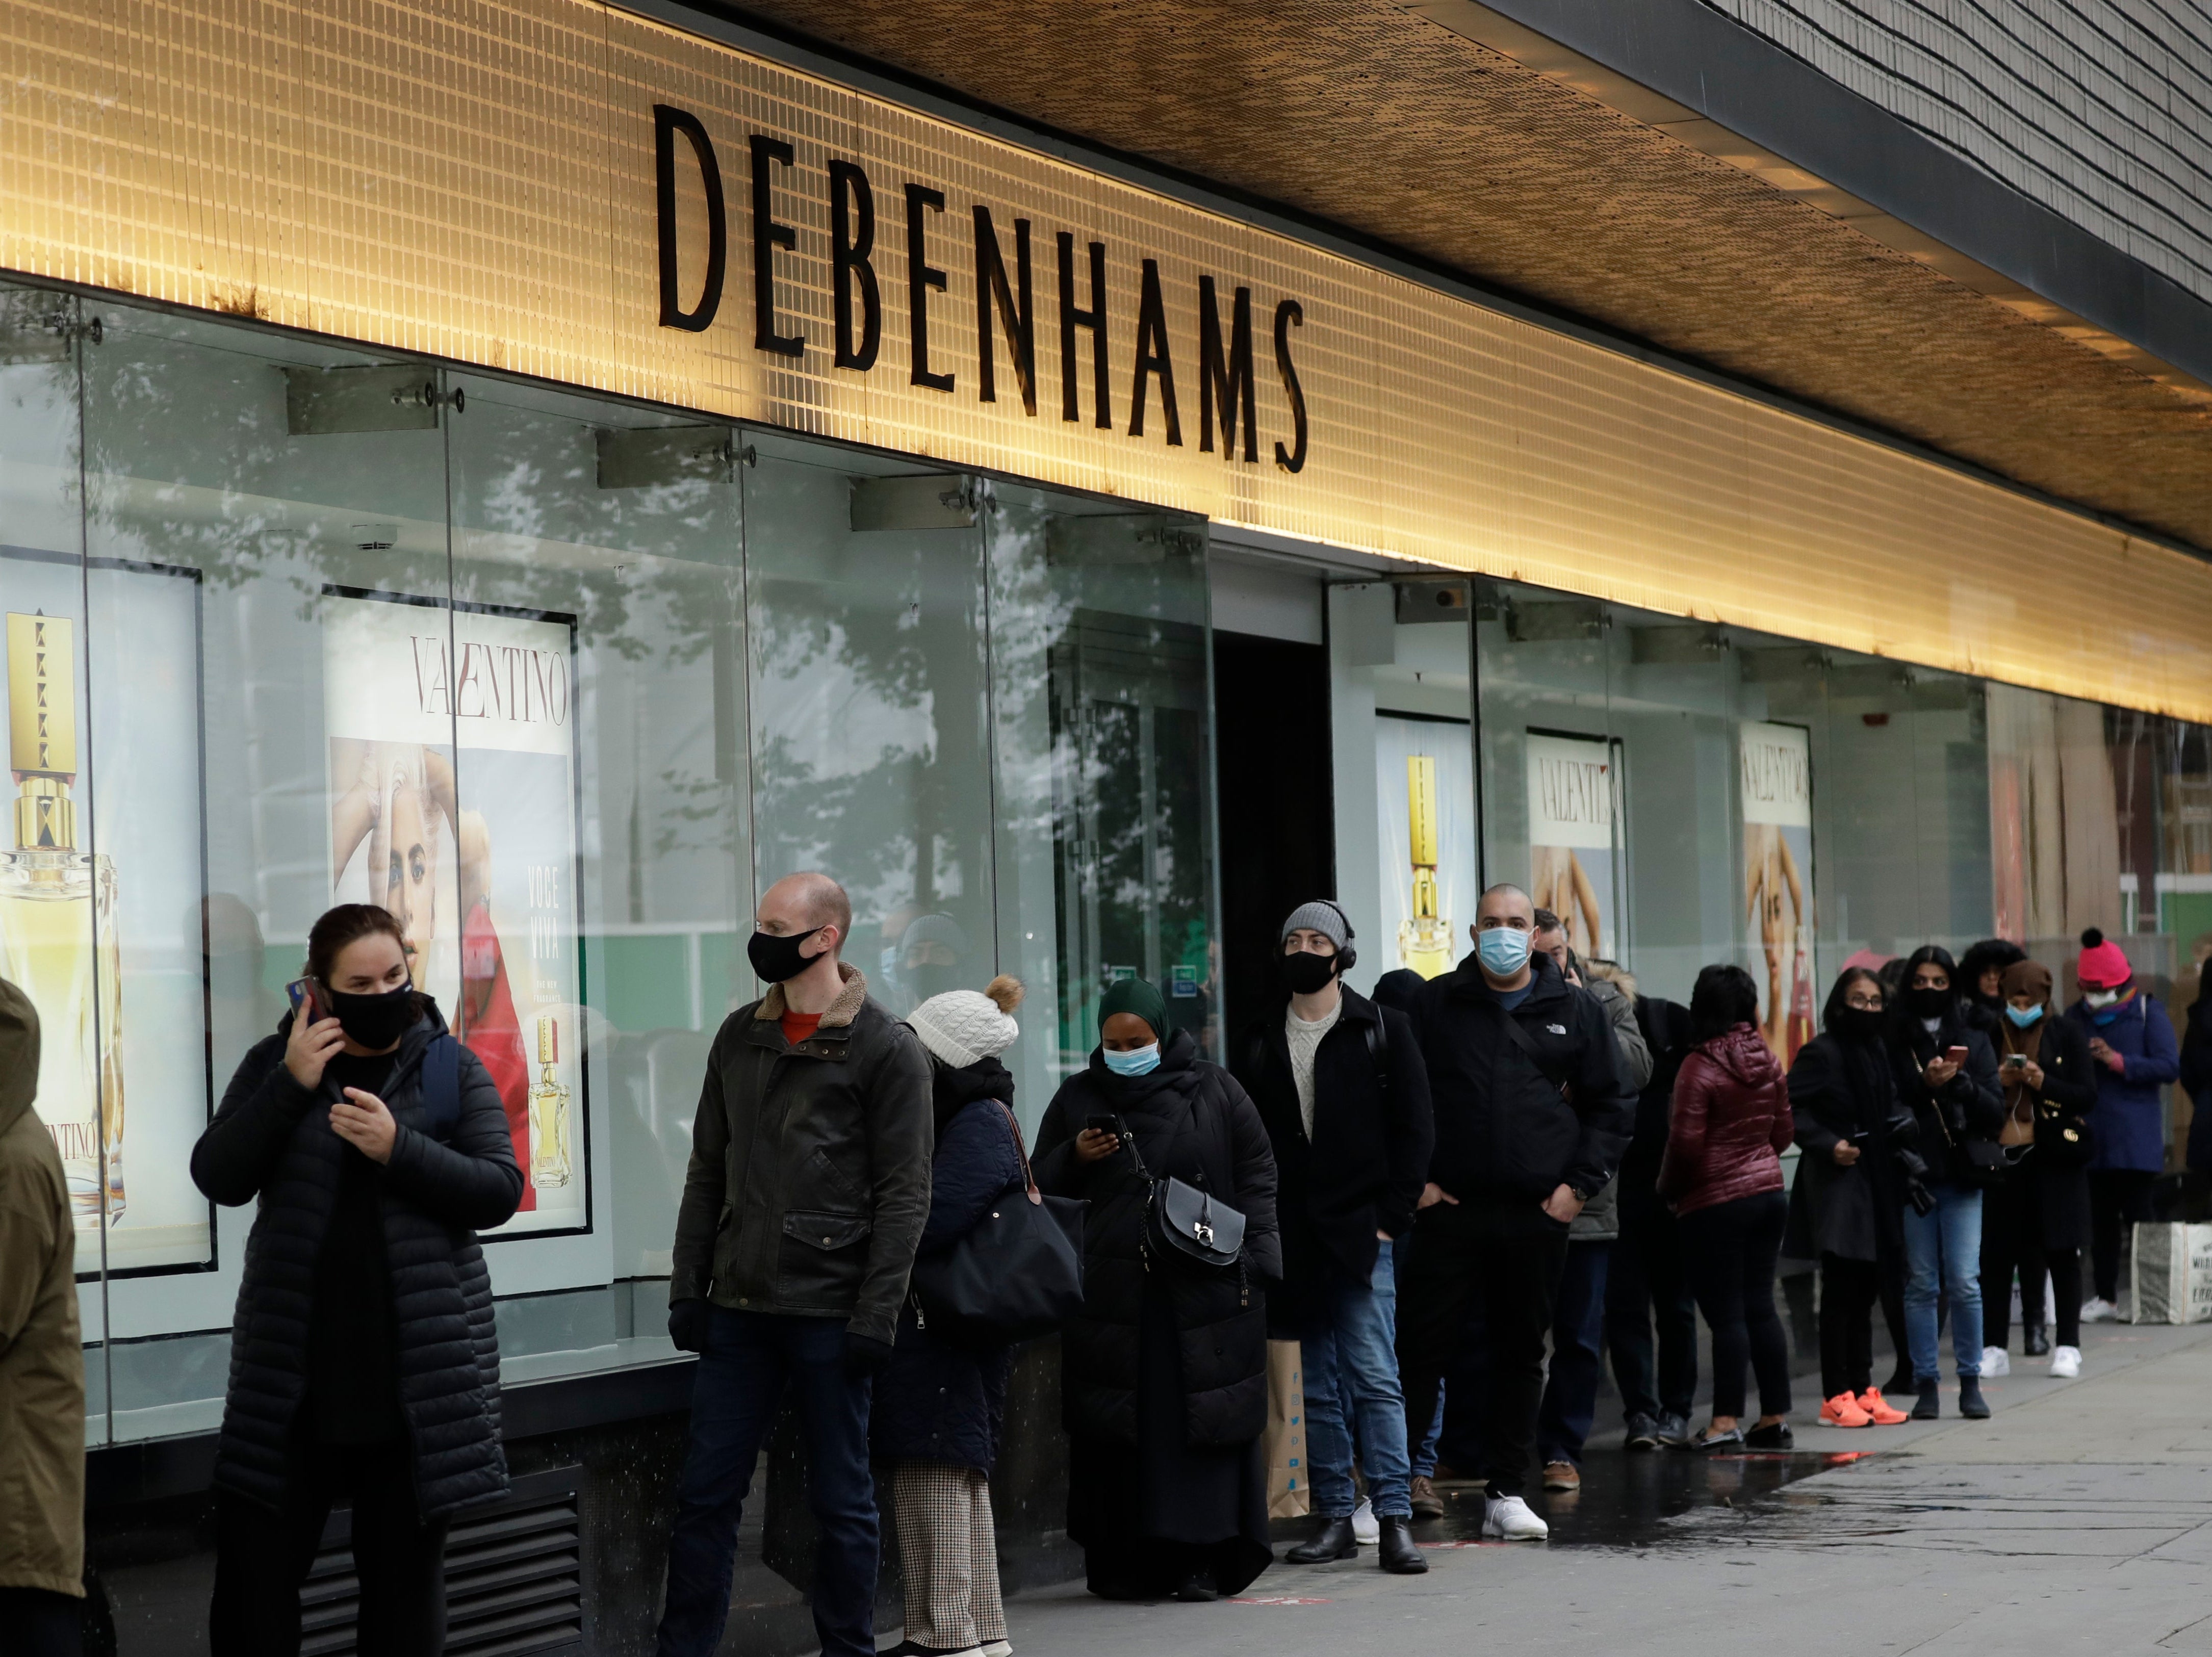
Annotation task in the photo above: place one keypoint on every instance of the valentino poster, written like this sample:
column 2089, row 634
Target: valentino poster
column 102, row 888
column 1425, row 790
column 1574, row 836
column 1775, row 784
column 453, row 802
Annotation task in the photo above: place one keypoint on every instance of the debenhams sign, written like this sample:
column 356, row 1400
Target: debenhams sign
column 1117, row 361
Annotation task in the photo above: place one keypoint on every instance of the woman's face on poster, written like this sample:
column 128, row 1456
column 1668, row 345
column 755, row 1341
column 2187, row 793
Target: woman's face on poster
column 411, row 864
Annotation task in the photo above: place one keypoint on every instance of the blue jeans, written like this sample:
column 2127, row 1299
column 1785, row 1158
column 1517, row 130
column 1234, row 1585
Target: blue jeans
column 1944, row 1245
column 751, row 1361
column 1352, row 1345
column 1563, row 1420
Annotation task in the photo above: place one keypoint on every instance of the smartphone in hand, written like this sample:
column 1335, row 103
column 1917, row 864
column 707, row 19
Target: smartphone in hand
column 301, row 991
column 1954, row 1055
column 1104, row 1123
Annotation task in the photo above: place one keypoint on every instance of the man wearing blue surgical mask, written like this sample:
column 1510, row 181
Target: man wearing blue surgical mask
column 1532, row 1111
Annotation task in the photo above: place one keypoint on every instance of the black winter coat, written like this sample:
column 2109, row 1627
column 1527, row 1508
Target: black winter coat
column 1840, row 1089
column 1362, row 1170
column 1506, row 1129
column 1666, row 1027
column 1192, row 1120
column 271, row 1140
column 809, row 1178
column 1970, row 1106
column 2196, row 1080
column 2069, row 1083
column 941, row 1400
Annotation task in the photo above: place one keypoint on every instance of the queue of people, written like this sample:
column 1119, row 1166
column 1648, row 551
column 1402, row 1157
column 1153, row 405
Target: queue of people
column 1498, row 1175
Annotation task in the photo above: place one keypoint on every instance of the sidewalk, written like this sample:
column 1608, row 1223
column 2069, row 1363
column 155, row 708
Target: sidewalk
column 2079, row 1519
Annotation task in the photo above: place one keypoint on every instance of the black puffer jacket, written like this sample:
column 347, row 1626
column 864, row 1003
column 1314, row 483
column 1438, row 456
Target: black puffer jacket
column 1361, row 1169
column 942, row 1399
column 1191, row 1120
column 1970, row 1106
column 1507, row 1130
column 271, row 1140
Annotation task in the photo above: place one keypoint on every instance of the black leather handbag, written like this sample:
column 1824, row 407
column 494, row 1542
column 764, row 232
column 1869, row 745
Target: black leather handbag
column 1182, row 1222
column 1019, row 1274
column 2062, row 1138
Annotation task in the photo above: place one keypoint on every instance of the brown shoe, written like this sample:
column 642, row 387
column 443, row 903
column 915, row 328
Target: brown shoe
column 1427, row 1504
column 1562, row 1476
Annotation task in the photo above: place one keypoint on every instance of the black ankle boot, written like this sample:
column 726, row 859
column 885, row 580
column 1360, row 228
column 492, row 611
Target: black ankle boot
column 2037, row 1342
column 1197, row 1588
column 1930, row 1407
column 1401, row 1555
column 1971, row 1404
column 1333, row 1540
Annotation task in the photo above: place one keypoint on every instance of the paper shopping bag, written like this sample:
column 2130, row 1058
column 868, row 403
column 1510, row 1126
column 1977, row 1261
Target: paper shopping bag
column 1287, row 1494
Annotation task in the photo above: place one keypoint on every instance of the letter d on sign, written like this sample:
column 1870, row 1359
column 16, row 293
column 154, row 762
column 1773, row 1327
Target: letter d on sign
column 666, row 123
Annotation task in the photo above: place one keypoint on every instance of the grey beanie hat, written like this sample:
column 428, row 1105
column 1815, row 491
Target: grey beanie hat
column 1320, row 917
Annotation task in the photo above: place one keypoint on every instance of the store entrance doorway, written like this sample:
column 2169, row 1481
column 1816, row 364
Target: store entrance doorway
column 1277, row 829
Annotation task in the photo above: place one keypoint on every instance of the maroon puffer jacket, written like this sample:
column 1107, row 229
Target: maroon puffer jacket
column 1729, row 1124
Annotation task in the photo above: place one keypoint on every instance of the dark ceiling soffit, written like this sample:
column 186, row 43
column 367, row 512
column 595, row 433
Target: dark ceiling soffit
column 767, row 37
column 1687, row 51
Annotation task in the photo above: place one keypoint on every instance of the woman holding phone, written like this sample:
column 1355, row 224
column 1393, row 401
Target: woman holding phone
column 1164, row 1372
column 2037, row 1216
column 1947, row 1075
column 363, row 1357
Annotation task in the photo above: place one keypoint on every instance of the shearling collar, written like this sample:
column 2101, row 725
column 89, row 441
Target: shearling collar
column 843, row 1012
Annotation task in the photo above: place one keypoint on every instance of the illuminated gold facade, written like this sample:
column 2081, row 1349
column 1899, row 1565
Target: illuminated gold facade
column 477, row 181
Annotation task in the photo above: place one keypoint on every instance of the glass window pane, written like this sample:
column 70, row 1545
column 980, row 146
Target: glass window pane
column 1099, row 683
column 239, row 485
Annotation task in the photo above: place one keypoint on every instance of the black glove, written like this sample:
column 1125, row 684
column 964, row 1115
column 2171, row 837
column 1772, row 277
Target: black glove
column 687, row 1324
column 865, row 1356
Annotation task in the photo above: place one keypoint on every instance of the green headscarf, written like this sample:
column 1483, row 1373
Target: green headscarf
column 1135, row 995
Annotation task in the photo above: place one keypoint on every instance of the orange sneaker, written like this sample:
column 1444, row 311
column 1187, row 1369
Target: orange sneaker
column 1878, row 1411
column 1843, row 1411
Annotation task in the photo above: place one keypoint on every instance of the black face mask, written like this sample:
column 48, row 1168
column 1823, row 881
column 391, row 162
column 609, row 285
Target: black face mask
column 1857, row 1023
column 775, row 958
column 375, row 1021
column 1307, row 973
column 1930, row 1004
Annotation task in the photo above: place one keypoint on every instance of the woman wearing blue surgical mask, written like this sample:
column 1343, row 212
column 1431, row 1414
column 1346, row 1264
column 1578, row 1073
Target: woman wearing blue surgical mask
column 1163, row 1376
column 2134, row 1055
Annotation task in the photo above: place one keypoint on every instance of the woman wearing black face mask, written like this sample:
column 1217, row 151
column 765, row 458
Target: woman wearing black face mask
column 375, row 1144
column 1857, row 1160
column 1947, row 1074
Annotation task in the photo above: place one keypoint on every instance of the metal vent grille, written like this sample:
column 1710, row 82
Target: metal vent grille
column 514, row 1584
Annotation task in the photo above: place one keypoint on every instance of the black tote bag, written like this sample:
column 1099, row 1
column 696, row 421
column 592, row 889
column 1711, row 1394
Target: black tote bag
column 1019, row 1274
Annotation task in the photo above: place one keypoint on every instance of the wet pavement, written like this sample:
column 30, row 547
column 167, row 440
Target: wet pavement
column 2078, row 1520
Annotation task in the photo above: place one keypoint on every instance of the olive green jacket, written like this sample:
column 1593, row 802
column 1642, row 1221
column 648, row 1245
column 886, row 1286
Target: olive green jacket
column 41, row 1359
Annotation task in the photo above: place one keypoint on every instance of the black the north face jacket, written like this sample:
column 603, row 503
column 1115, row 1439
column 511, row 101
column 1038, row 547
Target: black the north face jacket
column 271, row 1140
column 1506, row 1127
column 809, row 1180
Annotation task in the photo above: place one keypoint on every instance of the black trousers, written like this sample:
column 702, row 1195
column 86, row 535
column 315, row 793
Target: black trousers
column 2012, row 1242
column 1732, row 1248
column 1647, row 1281
column 262, row 1557
column 2118, row 1198
column 1511, row 1254
column 1848, row 1291
column 39, row 1623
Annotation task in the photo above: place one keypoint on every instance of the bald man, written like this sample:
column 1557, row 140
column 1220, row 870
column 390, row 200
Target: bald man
column 1532, row 1113
column 807, row 1191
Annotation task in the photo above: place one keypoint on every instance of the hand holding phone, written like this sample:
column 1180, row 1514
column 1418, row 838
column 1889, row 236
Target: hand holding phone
column 1100, row 1139
column 1955, row 1056
column 313, row 1042
column 2016, row 1061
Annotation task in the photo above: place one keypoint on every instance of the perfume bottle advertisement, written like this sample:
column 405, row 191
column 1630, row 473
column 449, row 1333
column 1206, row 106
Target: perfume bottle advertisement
column 453, row 802
column 101, row 892
column 1424, row 794
column 1574, row 837
column 1775, row 791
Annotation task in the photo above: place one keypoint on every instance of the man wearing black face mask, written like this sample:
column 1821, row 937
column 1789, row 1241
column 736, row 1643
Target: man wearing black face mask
column 807, row 1191
column 1341, row 1087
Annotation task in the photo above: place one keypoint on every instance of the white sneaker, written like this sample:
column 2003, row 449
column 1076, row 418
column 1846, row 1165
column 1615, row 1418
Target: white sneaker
column 1366, row 1526
column 999, row 1648
column 2098, row 1309
column 1995, row 1361
column 2066, row 1364
column 1508, row 1517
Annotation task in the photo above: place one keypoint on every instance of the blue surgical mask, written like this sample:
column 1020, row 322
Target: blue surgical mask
column 1138, row 1061
column 2022, row 1019
column 1503, row 950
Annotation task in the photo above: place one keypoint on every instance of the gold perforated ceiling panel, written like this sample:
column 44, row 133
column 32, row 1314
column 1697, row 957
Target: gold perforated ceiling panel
column 478, row 181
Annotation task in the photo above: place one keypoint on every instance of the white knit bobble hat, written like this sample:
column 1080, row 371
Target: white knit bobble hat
column 961, row 1026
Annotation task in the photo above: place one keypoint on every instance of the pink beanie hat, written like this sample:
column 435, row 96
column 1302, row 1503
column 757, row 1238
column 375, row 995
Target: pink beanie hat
column 2103, row 966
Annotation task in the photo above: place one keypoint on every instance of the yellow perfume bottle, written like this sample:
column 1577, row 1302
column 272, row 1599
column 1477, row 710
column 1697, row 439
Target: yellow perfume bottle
column 1425, row 939
column 549, row 1112
column 58, row 922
